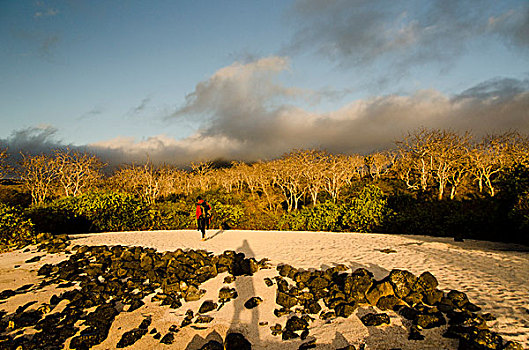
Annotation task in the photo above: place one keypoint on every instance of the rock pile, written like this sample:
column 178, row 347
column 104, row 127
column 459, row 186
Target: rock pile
column 115, row 279
column 110, row 280
column 414, row 298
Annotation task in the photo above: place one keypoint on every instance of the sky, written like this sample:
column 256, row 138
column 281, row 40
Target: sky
column 181, row 81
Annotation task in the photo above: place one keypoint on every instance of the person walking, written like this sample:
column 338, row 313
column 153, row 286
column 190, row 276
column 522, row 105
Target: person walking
column 203, row 216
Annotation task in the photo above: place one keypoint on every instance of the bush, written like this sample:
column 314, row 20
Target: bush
column 93, row 212
column 173, row 216
column 14, row 228
column 322, row 217
column 225, row 215
column 368, row 212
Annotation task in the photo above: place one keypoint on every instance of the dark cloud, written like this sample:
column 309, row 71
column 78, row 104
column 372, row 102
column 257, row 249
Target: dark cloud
column 499, row 88
column 399, row 35
column 247, row 115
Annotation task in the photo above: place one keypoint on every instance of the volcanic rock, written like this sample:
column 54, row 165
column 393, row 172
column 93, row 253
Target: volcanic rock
column 131, row 337
column 236, row 341
column 253, row 302
column 379, row 290
column 402, row 282
column 207, row 306
column 373, row 319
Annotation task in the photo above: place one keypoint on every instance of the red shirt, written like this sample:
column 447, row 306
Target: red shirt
column 199, row 207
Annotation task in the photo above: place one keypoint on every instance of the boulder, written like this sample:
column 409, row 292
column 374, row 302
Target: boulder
column 236, row 341
column 373, row 319
column 426, row 282
column 427, row 321
column 379, row 290
column 402, row 282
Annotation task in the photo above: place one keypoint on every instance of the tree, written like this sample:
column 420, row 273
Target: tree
column 38, row 173
column 76, row 171
column 3, row 164
column 338, row 171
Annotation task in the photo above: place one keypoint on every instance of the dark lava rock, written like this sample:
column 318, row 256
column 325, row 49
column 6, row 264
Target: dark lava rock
column 131, row 337
column 207, row 306
column 276, row 329
column 157, row 336
column 349, row 347
column 285, row 300
column 268, row 282
column 388, row 302
column 212, row 345
column 281, row 312
column 236, row 341
column 426, row 282
column 145, row 323
column 288, row 334
column 327, row 315
column 203, row 319
column 229, row 279
column 402, row 282
column 413, row 298
column 33, row 259
column 427, row 321
column 379, row 290
column 8, row 293
column 415, row 334
column 433, row 297
column 459, row 299
column 168, row 339
column 511, row 345
column 373, row 319
column 345, row 309
column 296, row 324
column 480, row 339
column 408, row 312
column 467, row 319
column 227, row 293
column 193, row 293
column 253, row 302
column 311, row 344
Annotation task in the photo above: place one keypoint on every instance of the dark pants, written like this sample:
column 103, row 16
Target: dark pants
column 203, row 224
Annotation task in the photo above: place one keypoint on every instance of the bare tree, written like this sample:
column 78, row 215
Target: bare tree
column 200, row 171
column 3, row 164
column 76, row 171
column 415, row 162
column 338, row 172
column 38, row 173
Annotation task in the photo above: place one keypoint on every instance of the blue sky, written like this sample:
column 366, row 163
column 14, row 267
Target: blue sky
column 175, row 81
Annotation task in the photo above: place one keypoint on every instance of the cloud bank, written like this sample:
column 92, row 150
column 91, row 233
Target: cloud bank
column 247, row 114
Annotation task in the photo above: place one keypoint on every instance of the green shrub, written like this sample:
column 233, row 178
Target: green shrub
column 225, row 215
column 173, row 216
column 368, row 212
column 93, row 212
column 322, row 217
column 14, row 227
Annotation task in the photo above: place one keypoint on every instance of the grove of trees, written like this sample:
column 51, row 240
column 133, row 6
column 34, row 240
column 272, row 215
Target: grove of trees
column 433, row 181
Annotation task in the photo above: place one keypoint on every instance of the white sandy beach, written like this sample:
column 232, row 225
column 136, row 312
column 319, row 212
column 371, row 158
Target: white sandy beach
column 493, row 275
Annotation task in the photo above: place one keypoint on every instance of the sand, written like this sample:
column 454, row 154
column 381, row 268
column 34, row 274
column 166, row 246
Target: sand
column 494, row 275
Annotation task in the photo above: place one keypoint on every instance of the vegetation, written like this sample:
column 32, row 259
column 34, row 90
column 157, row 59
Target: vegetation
column 434, row 182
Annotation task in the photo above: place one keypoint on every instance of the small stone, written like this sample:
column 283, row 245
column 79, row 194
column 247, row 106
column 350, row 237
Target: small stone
column 131, row 337
column 430, row 320
column 253, row 302
column 203, row 319
column 373, row 319
column 207, row 306
column 268, row 282
column 296, row 324
column 229, row 279
column 167, row 339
